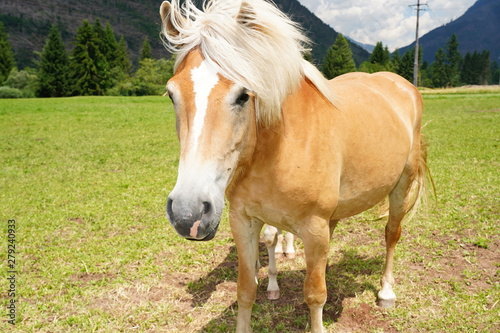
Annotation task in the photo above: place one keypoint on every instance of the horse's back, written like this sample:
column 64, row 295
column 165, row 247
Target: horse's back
column 370, row 88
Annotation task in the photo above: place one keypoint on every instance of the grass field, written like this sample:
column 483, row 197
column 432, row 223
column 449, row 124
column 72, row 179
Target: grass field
column 86, row 181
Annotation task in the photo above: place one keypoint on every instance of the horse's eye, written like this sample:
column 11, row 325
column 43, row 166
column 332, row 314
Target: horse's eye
column 242, row 99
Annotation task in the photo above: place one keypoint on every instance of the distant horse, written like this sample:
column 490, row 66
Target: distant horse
column 289, row 148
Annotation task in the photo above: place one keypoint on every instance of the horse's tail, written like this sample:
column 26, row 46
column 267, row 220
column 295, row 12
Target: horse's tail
column 418, row 191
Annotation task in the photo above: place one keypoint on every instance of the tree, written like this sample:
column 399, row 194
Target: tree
column 484, row 69
column 338, row 59
column 453, row 62
column 53, row 67
column 405, row 68
column 7, row 61
column 26, row 81
column 146, row 50
column 88, row 66
column 379, row 60
column 437, row 70
column 122, row 56
column 406, row 63
column 395, row 61
column 380, row 55
column 150, row 78
column 109, row 46
column 494, row 73
column 468, row 74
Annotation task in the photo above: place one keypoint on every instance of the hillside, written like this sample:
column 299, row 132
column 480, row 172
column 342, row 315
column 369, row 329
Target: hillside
column 28, row 23
column 320, row 33
column 477, row 29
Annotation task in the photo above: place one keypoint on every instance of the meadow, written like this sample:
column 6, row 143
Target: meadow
column 86, row 180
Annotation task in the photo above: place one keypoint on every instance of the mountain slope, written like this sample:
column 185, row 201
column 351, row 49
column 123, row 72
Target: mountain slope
column 28, row 24
column 322, row 35
column 477, row 29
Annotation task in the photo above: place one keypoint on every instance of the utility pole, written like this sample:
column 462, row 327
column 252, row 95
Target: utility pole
column 415, row 63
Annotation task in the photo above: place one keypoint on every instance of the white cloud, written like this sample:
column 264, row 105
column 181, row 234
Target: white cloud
column 390, row 21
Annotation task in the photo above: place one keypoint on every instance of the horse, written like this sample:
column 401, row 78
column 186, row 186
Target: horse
column 262, row 127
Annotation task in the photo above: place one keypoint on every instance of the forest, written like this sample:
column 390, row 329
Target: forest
column 99, row 64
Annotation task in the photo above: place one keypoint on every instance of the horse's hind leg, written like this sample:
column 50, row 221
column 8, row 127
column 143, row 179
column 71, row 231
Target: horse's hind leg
column 386, row 296
column 290, row 249
column 398, row 204
column 278, row 251
column 271, row 239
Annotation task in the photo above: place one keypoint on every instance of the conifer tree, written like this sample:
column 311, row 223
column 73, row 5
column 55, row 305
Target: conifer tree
column 405, row 68
column 469, row 69
column 380, row 55
column 110, row 45
column 7, row 61
column 146, row 50
column 396, row 60
column 338, row 59
column 53, row 67
column 122, row 56
column 453, row 62
column 438, row 69
column 379, row 60
column 88, row 65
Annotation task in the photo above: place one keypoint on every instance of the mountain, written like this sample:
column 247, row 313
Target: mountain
column 322, row 35
column 28, row 24
column 367, row 47
column 477, row 29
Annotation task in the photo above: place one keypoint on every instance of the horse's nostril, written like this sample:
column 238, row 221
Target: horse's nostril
column 207, row 207
column 170, row 212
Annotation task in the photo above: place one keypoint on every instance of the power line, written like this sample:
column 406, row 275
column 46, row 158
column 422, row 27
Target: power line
column 418, row 8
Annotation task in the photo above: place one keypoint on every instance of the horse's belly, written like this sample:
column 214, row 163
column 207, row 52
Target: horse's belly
column 355, row 204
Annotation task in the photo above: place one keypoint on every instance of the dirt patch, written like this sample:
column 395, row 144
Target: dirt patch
column 361, row 316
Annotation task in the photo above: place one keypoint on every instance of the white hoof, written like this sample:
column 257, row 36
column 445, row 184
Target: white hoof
column 273, row 295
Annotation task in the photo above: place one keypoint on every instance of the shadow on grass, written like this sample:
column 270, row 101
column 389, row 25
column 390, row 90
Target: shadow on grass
column 289, row 313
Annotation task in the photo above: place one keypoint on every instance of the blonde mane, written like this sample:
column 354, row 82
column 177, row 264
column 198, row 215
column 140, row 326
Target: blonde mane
column 251, row 42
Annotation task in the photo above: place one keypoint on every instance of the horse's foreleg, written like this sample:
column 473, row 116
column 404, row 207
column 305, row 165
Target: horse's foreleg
column 316, row 243
column 271, row 239
column 246, row 234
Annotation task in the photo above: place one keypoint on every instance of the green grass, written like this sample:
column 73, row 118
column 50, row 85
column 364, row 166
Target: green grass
column 86, row 180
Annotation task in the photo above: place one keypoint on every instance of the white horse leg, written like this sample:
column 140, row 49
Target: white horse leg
column 290, row 249
column 246, row 234
column 271, row 238
column 279, row 244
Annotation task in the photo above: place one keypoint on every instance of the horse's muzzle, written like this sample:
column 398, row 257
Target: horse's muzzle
column 193, row 219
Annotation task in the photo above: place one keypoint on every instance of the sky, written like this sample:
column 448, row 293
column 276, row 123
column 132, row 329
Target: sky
column 391, row 22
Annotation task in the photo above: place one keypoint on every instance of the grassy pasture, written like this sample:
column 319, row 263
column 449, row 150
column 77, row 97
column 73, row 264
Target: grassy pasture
column 86, row 180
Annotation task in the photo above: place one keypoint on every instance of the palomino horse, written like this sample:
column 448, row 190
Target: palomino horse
column 262, row 126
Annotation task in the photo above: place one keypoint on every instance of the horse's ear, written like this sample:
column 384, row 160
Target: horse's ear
column 171, row 19
column 246, row 15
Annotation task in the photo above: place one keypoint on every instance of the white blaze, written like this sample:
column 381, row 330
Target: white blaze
column 204, row 80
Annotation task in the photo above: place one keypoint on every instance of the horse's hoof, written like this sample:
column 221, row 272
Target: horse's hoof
column 278, row 255
column 273, row 295
column 290, row 255
column 386, row 303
